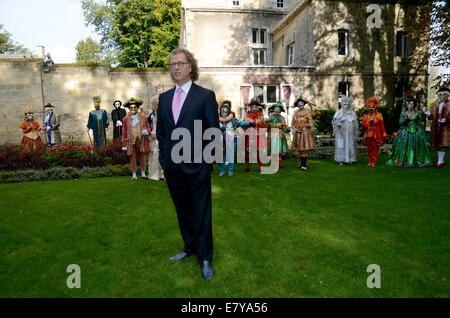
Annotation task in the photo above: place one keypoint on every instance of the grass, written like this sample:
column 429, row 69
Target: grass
column 291, row 234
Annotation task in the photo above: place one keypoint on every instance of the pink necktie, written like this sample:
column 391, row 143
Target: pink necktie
column 176, row 104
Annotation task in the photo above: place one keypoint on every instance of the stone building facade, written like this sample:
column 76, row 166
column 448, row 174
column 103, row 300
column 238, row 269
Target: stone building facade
column 270, row 49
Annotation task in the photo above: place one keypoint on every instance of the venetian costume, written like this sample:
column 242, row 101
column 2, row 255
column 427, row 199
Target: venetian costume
column 255, row 115
column 117, row 115
column 228, row 122
column 30, row 127
column 303, row 125
column 346, row 130
column 410, row 147
column 374, row 130
column 135, row 137
column 155, row 170
column 440, row 128
column 51, row 125
column 278, row 121
column 98, row 122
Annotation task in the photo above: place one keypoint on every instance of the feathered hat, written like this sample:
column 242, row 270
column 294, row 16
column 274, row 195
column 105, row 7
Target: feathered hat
column 257, row 102
column 277, row 105
column 28, row 110
column 372, row 101
column 225, row 103
column 409, row 97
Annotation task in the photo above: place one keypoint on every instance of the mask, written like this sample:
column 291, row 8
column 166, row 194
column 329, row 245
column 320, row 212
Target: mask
column 254, row 108
column 116, row 105
column 224, row 112
column 409, row 105
column 133, row 109
column 443, row 97
column 30, row 116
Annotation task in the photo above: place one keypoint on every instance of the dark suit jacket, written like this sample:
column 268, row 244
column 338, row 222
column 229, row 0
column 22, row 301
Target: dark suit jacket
column 200, row 104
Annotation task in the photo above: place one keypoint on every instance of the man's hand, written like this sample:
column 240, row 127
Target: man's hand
column 119, row 123
column 124, row 148
column 145, row 132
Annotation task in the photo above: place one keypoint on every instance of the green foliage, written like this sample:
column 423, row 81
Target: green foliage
column 7, row 45
column 138, row 33
column 293, row 234
column 89, row 51
column 322, row 121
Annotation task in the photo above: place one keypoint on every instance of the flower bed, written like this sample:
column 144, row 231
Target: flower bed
column 78, row 156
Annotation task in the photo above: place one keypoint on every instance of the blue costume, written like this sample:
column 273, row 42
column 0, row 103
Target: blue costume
column 98, row 122
column 227, row 124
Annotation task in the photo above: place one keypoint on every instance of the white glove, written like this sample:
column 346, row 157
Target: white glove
column 145, row 132
column 124, row 148
column 87, row 130
column 441, row 120
column 106, row 128
column 48, row 128
column 427, row 112
column 119, row 123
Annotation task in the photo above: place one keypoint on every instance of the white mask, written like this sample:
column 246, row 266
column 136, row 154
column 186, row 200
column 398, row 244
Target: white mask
column 409, row 105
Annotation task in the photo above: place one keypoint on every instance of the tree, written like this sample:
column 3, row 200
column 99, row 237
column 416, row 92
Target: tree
column 431, row 33
column 141, row 32
column 89, row 51
column 7, row 45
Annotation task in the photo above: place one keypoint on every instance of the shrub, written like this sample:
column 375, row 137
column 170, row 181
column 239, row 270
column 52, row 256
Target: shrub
column 322, row 121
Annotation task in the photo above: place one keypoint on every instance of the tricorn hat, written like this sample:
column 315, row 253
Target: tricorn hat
column 49, row 105
column 443, row 89
column 133, row 101
column 300, row 99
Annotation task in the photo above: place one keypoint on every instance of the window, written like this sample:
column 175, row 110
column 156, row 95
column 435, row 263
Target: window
column 402, row 44
column 259, row 56
column 344, row 88
column 258, row 36
column 343, row 42
column 235, row 3
column 290, row 54
column 279, row 3
column 266, row 93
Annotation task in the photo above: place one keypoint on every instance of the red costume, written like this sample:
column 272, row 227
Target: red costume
column 256, row 117
column 30, row 127
column 135, row 138
column 375, row 132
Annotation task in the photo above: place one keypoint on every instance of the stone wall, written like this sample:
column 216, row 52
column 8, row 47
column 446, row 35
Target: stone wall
column 70, row 87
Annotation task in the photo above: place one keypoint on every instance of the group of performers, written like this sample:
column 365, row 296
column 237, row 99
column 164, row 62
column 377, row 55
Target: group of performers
column 137, row 133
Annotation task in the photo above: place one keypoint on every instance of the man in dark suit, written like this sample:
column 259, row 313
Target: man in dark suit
column 189, row 182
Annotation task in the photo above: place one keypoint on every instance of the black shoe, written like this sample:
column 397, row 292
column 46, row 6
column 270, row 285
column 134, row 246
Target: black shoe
column 207, row 270
column 179, row 256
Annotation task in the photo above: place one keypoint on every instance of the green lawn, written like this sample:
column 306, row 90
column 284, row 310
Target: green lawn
column 291, row 234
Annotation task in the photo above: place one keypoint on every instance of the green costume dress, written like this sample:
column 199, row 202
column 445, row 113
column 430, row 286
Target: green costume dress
column 278, row 122
column 410, row 147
